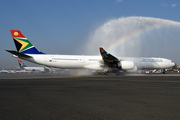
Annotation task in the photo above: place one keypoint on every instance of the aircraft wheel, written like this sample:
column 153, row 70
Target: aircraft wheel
column 164, row 71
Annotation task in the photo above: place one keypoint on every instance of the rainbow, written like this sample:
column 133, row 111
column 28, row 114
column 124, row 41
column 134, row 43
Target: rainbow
column 132, row 35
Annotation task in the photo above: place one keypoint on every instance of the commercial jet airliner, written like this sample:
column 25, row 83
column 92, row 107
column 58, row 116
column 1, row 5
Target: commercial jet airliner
column 39, row 69
column 105, row 62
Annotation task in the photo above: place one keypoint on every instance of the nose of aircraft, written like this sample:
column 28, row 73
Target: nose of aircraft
column 173, row 64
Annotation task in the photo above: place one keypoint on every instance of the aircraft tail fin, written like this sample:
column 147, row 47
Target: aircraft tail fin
column 21, row 64
column 22, row 43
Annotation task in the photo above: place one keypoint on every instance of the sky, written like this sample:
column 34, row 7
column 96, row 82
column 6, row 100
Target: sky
column 67, row 26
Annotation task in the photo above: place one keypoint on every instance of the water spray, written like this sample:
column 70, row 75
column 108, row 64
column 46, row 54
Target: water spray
column 137, row 37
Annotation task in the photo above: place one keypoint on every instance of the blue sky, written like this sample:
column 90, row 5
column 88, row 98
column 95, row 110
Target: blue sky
column 63, row 26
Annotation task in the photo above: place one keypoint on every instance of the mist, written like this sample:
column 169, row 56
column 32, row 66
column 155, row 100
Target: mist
column 137, row 37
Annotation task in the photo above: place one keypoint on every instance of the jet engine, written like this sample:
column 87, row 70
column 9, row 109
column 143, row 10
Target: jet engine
column 127, row 65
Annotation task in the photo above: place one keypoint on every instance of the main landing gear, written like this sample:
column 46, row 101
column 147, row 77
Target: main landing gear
column 164, row 71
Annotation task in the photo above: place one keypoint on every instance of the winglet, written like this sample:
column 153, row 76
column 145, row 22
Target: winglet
column 102, row 51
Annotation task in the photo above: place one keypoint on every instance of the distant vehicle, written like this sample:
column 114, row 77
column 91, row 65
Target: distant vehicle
column 40, row 69
column 105, row 63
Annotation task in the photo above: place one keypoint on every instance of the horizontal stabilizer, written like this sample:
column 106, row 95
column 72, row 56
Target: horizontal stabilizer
column 21, row 55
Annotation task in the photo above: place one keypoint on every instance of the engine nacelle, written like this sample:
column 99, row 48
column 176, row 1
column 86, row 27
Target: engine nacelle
column 127, row 65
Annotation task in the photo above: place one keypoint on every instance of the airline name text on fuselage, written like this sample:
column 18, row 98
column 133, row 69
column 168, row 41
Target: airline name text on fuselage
column 151, row 60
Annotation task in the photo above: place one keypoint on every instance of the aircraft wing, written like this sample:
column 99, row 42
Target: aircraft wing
column 20, row 55
column 109, row 60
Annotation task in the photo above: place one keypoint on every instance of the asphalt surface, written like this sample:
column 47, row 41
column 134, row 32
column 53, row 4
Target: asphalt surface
column 90, row 98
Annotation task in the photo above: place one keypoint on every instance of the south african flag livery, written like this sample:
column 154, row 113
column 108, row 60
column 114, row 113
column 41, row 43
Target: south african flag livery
column 102, row 51
column 21, row 64
column 22, row 43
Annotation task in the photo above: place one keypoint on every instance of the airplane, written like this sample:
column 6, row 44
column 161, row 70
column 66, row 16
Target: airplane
column 4, row 71
column 106, row 62
column 40, row 69
column 7, row 71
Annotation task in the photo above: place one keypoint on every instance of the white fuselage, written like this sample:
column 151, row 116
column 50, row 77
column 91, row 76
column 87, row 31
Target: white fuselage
column 41, row 69
column 95, row 62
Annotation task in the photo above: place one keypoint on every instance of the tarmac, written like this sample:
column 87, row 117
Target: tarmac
column 100, row 97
